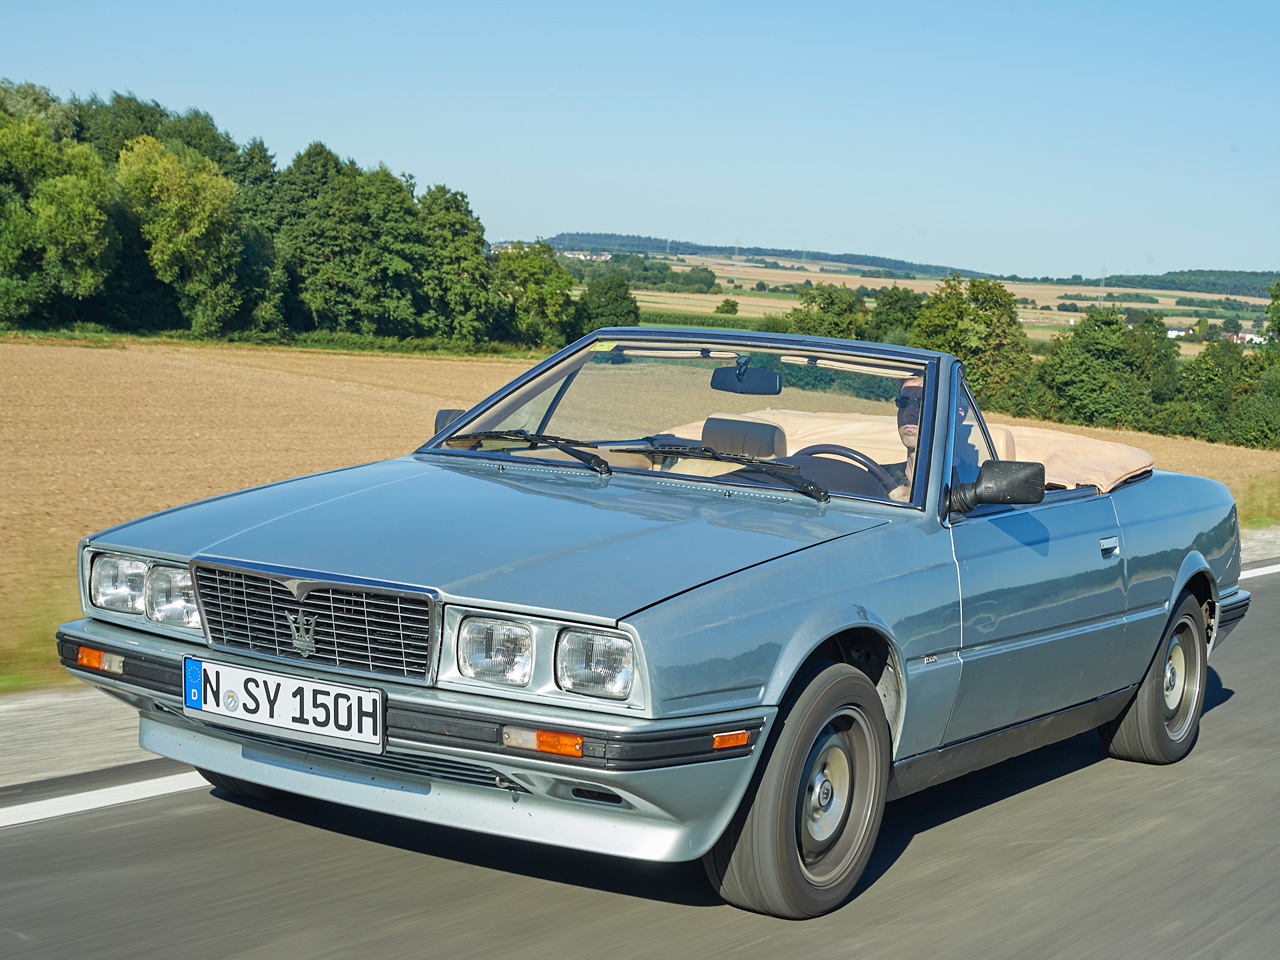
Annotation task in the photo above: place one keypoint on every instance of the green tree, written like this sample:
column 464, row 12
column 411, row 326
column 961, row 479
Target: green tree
column 978, row 322
column 357, row 253
column 1272, row 324
column 196, row 130
column 532, row 290
column 829, row 311
column 21, row 100
column 607, row 302
column 1105, row 372
column 894, row 315
column 727, row 305
column 1231, row 326
column 109, row 125
column 456, row 276
column 186, row 210
column 56, row 242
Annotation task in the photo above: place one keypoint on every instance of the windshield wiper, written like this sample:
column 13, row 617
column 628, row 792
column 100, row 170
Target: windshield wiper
column 787, row 473
column 563, row 444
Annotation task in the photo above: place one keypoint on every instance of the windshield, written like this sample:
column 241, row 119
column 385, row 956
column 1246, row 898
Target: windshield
column 763, row 415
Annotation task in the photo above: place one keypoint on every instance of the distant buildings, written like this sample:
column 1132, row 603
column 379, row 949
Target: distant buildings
column 499, row 246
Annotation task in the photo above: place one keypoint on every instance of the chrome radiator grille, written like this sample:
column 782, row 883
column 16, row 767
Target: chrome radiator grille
column 344, row 627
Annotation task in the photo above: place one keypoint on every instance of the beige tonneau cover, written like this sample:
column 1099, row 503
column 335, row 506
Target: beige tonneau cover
column 1071, row 460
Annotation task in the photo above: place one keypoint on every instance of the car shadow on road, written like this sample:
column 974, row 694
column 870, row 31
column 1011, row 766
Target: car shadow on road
column 912, row 815
column 685, row 883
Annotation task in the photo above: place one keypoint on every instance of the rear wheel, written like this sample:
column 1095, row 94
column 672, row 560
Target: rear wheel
column 1161, row 722
column 803, row 836
column 241, row 788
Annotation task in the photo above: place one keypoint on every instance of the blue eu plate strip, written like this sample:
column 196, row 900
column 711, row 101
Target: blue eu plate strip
column 192, row 676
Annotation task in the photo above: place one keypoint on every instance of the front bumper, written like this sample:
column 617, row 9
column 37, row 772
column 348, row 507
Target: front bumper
column 652, row 790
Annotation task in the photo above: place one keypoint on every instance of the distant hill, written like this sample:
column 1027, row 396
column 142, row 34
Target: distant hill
column 1231, row 283
column 628, row 243
column 1235, row 283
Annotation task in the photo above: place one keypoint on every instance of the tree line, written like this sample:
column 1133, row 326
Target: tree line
column 642, row 273
column 1239, row 283
column 123, row 214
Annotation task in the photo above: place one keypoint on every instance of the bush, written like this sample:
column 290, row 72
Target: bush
column 774, row 323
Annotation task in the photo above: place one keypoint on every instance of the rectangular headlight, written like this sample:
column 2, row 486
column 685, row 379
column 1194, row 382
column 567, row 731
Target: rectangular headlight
column 497, row 650
column 116, row 583
column 595, row 664
column 171, row 597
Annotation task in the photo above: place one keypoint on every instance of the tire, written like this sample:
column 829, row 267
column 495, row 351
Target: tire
column 241, row 788
column 805, row 831
column 1162, row 721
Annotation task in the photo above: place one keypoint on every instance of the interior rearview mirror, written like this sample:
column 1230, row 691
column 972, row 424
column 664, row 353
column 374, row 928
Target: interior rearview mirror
column 745, row 379
column 1000, row 481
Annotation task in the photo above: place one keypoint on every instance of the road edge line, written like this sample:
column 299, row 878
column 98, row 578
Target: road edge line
column 38, row 810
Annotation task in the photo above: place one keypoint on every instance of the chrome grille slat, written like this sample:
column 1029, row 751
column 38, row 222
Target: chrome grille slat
column 354, row 628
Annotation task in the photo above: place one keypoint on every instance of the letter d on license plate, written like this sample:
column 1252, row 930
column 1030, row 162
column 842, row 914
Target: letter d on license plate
column 276, row 703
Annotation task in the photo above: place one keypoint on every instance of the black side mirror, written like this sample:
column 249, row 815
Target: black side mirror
column 446, row 417
column 1000, row 481
column 744, row 379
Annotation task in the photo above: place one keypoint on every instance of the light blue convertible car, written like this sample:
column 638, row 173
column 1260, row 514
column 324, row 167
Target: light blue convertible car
column 675, row 594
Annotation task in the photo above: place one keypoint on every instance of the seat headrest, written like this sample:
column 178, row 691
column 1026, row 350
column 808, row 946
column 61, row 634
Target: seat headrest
column 748, row 438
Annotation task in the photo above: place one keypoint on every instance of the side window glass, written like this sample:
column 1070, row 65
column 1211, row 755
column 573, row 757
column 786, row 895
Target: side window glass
column 971, row 450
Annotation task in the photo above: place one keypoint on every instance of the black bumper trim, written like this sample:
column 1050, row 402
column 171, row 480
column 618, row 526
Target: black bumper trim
column 150, row 673
column 1233, row 610
column 438, row 726
column 617, row 751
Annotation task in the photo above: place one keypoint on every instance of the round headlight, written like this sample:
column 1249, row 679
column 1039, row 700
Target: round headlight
column 497, row 650
column 115, row 583
column 171, row 597
column 595, row 664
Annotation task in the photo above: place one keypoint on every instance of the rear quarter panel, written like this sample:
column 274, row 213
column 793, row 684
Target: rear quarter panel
column 1173, row 526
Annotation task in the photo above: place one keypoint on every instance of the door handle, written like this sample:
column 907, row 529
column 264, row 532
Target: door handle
column 1110, row 547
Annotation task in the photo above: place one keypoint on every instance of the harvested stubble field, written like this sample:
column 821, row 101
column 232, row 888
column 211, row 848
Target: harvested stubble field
column 93, row 437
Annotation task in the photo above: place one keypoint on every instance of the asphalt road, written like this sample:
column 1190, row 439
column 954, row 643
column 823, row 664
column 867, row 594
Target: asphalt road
column 1061, row 853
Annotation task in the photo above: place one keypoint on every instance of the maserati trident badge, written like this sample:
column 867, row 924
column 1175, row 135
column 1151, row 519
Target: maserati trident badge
column 303, row 632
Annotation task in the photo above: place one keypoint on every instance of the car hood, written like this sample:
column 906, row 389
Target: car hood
column 499, row 531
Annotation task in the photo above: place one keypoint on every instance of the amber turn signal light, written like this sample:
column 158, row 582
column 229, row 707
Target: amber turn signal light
column 99, row 660
column 563, row 744
column 738, row 738
column 543, row 741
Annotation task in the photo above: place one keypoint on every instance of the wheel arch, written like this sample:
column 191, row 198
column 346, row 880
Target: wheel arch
column 1196, row 578
column 869, row 648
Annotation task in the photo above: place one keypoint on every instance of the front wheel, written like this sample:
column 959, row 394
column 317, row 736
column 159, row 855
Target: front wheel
column 803, row 836
column 1162, row 721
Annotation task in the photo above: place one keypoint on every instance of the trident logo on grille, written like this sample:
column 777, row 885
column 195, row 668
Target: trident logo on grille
column 302, row 630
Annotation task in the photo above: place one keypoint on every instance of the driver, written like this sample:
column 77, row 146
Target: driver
column 908, row 401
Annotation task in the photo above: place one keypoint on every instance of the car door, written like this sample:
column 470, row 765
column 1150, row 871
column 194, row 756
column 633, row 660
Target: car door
column 1042, row 601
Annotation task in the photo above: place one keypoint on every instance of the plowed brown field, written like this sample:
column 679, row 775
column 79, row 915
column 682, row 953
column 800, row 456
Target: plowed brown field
column 92, row 437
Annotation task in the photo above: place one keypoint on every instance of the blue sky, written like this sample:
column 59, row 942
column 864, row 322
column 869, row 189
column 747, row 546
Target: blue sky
column 1030, row 138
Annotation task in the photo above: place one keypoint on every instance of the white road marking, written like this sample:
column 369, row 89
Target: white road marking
column 1260, row 571
column 97, row 799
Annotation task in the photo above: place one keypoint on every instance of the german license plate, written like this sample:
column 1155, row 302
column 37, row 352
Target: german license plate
column 292, row 707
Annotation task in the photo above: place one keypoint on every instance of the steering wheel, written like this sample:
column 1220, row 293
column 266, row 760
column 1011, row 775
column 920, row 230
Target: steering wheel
column 857, row 456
